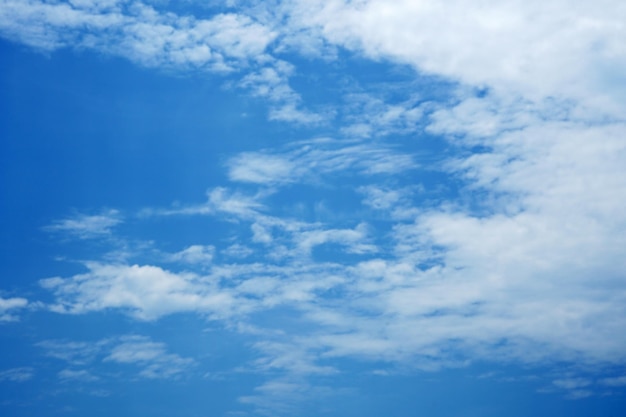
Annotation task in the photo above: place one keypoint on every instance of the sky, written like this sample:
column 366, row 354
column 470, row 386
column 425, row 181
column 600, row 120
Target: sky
column 342, row 208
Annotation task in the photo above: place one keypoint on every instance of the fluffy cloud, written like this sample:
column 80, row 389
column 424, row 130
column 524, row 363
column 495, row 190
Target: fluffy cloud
column 533, row 48
column 148, row 292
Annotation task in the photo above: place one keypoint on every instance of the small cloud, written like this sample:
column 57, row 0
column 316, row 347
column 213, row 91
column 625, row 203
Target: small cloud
column 153, row 357
column 260, row 168
column 237, row 251
column 80, row 375
column 9, row 305
column 87, row 227
column 194, row 254
column 17, row 374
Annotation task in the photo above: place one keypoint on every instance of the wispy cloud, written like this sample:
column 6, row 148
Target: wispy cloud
column 194, row 254
column 22, row 374
column 150, row 359
column 310, row 161
column 151, row 356
column 83, row 226
column 70, row 375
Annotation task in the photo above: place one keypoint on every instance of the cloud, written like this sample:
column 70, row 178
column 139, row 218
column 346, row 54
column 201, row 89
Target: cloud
column 271, row 83
column 81, row 375
column 8, row 307
column 146, row 292
column 307, row 161
column 223, row 44
column 370, row 116
column 151, row 358
column 84, row 226
column 74, row 353
column 194, row 254
column 137, row 31
column 522, row 260
column 22, row 374
column 534, row 48
column 526, row 267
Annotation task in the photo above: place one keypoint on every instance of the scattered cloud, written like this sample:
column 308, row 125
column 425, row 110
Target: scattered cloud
column 139, row 32
column 523, row 261
column 152, row 359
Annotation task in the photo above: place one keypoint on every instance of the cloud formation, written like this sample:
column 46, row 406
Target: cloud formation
column 520, row 258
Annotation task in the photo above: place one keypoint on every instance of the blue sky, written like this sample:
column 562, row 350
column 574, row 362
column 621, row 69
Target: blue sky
column 341, row 208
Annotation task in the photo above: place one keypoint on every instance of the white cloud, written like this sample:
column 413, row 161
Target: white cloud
column 82, row 375
column 22, row 374
column 138, row 32
column 146, row 292
column 222, row 44
column 8, row 306
column 75, row 353
column 525, row 264
column 85, row 226
column 151, row 358
column 534, row 48
column 258, row 168
column 307, row 161
column 237, row 251
column 194, row 254
column 370, row 116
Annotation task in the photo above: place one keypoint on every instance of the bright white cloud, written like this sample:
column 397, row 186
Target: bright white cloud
column 147, row 292
column 534, row 48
